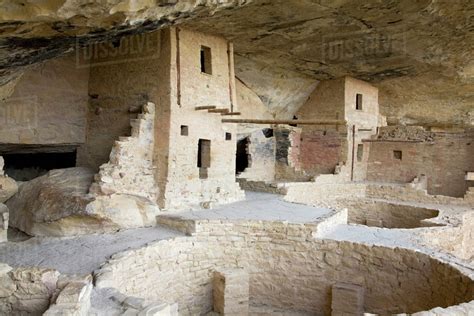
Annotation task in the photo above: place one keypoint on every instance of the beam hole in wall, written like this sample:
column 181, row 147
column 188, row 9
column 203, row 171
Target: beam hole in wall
column 27, row 166
column 204, row 157
column 294, row 118
column 228, row 136
column 360, row 152
column 359, row 101
column 397, row 154
column 206, row 60
column 267, row 132
column 243, row 158
column 184, row 130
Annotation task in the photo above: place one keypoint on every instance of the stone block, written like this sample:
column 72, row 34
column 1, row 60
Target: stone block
column 347, row 300
column 231, row 292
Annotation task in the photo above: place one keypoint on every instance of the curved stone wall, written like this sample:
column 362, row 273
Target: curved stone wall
column 288, row 269
column 388, row 215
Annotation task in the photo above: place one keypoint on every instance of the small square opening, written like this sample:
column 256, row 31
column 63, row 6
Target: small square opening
column 184, row 130
column 397, row 154
column 206, row 60
column 359, row 101
column 228, row 136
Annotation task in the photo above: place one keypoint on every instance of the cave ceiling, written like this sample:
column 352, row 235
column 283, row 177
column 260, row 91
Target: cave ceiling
column 419, row 53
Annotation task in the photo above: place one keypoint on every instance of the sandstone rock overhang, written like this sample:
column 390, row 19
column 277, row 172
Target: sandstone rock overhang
column 418, row 54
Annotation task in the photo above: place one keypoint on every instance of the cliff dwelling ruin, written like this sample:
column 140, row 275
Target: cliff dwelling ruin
column 237, row 157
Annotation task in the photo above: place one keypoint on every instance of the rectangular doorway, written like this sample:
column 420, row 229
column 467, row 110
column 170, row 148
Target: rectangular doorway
column 204, row 157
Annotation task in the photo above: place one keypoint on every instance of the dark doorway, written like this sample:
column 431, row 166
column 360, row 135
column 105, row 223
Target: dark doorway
column 27, row 166
column 204, row 157
column 243, row 157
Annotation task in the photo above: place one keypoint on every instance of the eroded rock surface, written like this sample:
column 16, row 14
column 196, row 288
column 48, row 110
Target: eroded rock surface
column 26, row 291
column 417, row 53
column 44, row 201
column 58, row 204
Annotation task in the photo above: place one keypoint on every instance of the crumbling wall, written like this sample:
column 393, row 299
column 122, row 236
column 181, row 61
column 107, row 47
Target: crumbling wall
column 288, row 154
column 323, row 147
column 48, row 105
column 287, row 269
column 130, row 166
column 261, row 149
column 261, row 136
column 124, row 75
column 443, row 157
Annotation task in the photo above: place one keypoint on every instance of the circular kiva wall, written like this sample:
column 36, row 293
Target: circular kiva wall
column 288, row 270
column 388, row 215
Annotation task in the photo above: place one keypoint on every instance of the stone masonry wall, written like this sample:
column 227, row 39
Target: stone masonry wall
column 444, row 158
column 184, row 187
column 130, row 167
column 287, row 268
column 124, row 76
column 262, row 156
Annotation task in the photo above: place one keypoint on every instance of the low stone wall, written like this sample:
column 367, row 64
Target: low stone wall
column 288, row 270
column 407, row 193
column 312, row 193
column 458, row 240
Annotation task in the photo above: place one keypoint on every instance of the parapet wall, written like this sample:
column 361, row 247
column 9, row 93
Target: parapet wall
column 288, row 270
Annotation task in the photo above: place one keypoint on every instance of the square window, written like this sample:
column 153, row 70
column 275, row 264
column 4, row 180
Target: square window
column 359, row 101
column 397, row 154
column 228, row 136
column 206, row 60
column 184, row 130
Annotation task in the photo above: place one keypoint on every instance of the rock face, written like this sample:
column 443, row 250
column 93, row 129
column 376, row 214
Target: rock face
column 58, row 204
column 8, row 186
column 26, row 291
column 43, row 202
column 418, row 53
column 3, row 222
column 414, row 52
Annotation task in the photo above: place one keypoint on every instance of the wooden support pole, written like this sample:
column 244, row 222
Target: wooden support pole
column 286, row 122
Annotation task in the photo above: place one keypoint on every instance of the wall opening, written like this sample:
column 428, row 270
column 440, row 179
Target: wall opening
column 206, row 60
column 294, row 118
column 242, row 161
column 397, row 154
column 27, row 166
column 360, row 152
column 204, row 157
column 228, row 136
column 359, row 101
column 267, row 132
column 184, row 130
